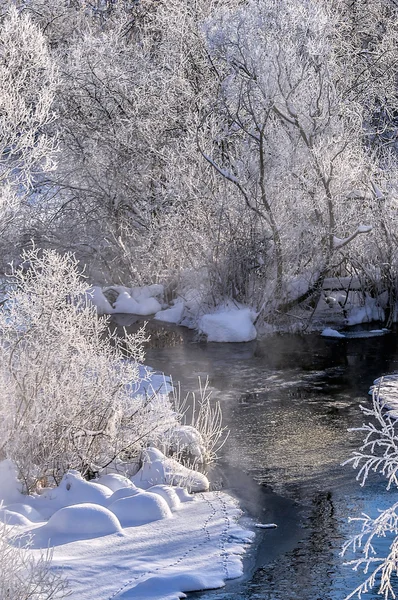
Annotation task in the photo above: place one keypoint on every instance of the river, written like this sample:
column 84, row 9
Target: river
column 288, row 401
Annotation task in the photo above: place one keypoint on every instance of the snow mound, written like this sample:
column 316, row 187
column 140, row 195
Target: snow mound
column 173, row 314
column 183, row 494
column 96, row 297
column 114, row 481
column 170, row 587
column 232, row 325
column 333, row 333
column 140, row 509
column 156, row 468
column 137, row 300
column 187, row 439
column 167, row 492
column 126, row 304
column 123, row 493
column 82, row 521
column 13, row 518
column 371, row 311
column 10, row 487
column 73, row 489
column 27, row 511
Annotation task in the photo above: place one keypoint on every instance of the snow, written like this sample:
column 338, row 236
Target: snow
column 96, row 297
column 115, row 482
column 141, row 301
column 10, row 488
column 173, row 314
column 157, row 469
column 371, row 311
column 140, row 509
column 168, row 494
column 231, row 325
column 156, row 544
column 127, row 304
column 123, row 493
column 329, row 332
column 78, row 521
column 13, row 518
column 387, row 388
column 185, row 438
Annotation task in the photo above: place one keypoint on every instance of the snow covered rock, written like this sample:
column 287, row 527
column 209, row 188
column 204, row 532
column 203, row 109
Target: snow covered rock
column 114, row 481
column 186, row 439
column 138, row 301
column 26, row 510
column 123, row 493
column 73, row 489
column 173, row 314
column 231, row 325
column 332, row 333
column 125, row 303
column 96, row 297
column 13, row 518
column 157, row 469
column 82, row 520
column 167, row 492
column 140, row 509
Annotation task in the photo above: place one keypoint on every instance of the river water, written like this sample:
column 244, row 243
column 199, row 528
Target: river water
column 288, row 402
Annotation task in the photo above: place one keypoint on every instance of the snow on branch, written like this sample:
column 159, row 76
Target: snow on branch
column 340, row 243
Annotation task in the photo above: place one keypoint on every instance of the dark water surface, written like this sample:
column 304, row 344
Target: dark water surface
column 288, row 402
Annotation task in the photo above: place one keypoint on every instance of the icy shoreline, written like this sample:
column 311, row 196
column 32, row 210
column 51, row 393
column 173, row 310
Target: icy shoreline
column 128, row 538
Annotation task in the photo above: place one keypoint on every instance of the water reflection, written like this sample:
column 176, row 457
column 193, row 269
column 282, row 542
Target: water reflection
column 288, row 402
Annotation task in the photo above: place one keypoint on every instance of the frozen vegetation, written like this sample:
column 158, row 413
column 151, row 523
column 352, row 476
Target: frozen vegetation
column 226, row 166
column 152, row 541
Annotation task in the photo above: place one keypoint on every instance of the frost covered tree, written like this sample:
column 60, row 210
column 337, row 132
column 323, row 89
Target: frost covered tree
column 281, row 133
column 68, row 395
column 28, row 81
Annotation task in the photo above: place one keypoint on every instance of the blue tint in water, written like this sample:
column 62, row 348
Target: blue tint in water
column 288, row 402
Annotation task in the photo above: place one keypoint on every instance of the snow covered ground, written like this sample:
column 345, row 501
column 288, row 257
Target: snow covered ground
column 115, row 540
column 343, row 303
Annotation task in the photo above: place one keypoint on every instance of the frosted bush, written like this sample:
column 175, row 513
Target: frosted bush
column 68, row 387
column 378, row 453
column 24, row 576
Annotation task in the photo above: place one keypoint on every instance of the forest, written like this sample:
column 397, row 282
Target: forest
column 221, row 153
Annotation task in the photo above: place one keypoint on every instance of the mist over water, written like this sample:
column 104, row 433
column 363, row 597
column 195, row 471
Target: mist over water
column 288, row 402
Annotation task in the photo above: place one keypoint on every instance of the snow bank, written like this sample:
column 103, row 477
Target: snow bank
column 232, row 325
column 172, row 314
column 157, row 469
column 135, row 548
column 140, row 509
column 167, row 492
column 329, row 332
column 371, row 311
column 114, row 481
column 82, row 520
column 136, row 300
